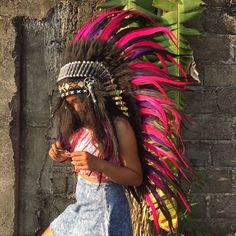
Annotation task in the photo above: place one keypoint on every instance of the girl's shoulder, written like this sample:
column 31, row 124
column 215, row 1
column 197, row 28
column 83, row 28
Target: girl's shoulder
column 123, row 127
column 121, row 122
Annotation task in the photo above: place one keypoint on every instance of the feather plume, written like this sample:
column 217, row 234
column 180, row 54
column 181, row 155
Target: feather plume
column 158, row 119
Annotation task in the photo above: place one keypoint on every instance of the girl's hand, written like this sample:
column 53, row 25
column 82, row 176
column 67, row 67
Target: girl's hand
column 86, row 161
column 57, row 154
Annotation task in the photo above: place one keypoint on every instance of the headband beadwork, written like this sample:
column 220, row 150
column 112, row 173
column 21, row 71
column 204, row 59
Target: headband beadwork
column 84, row 75
column 91, row 69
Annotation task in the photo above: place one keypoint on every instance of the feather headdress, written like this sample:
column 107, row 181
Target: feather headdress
column 138, row 83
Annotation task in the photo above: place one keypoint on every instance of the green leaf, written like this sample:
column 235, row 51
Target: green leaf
column 188, row 31
column 176, row 14
column 164, row 5
column 180, row 18
column 138, row 5
column 142, row 9
column 187, row 5
column 130, row 4
column 147, row 5
column 182, row 7
column 112, row 3
column 182, row 44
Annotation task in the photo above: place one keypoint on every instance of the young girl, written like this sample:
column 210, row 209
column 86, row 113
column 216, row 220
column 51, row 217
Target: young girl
column 99, row 210
column 117, row 126
column 101, row 145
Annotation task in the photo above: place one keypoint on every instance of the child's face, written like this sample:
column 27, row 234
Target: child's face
column 80, row 105
column 74, row 102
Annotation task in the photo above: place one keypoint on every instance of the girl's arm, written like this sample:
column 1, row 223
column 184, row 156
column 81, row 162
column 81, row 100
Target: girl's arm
column 130, row 173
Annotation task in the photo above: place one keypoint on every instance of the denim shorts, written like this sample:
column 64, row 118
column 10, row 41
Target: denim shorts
column 102, row 211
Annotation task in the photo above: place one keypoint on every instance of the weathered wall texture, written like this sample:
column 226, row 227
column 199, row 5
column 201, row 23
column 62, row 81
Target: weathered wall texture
column 211, row 140
column 33, row 190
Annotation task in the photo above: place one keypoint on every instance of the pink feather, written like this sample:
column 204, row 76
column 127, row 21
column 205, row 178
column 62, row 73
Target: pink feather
column 86, row 29
column 154, row 213
column 140, row 81
column 145, row 32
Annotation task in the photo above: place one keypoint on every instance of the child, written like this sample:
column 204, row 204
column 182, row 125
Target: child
column 114, row 125
column 99, row 210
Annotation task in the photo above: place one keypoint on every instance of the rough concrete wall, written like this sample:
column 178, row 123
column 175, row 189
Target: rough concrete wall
column 211, row 140
column 8, row 88
column 33, row 189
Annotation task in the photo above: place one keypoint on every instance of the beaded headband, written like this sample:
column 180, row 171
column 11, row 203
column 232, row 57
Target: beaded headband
column 89, row 72
column 84, row 69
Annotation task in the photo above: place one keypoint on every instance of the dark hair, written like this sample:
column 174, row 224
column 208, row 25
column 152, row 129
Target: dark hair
column 99, row 117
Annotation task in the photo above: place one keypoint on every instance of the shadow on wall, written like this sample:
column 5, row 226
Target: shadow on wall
column 44, row 188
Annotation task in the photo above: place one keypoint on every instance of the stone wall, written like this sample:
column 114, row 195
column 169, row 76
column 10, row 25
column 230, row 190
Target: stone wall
column 210, row 140
column 33, row 190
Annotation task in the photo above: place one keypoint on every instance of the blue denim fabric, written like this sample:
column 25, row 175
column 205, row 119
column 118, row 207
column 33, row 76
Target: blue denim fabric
column 102, row 211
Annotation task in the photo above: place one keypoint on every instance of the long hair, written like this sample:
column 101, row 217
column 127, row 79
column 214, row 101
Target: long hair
column 99, row 118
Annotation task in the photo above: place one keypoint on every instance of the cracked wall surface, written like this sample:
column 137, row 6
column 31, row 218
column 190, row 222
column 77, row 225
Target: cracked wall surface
column 33, row 189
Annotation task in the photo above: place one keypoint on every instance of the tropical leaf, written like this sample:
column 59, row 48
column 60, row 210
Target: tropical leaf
column 112, row 3
column 175, row 15
column 138, row 5
column 184, row 6
column 188, row 31
column 171, row 18
column 147, row 5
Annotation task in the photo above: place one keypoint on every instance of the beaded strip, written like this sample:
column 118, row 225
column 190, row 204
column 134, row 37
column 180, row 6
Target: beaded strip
column 90, row 71
column 84, row 69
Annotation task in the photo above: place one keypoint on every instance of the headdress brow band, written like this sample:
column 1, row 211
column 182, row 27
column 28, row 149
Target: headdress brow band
column 91, row 71
column 83, row 69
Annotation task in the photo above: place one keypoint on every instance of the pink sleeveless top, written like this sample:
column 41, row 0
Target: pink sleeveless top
column 84, row 142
